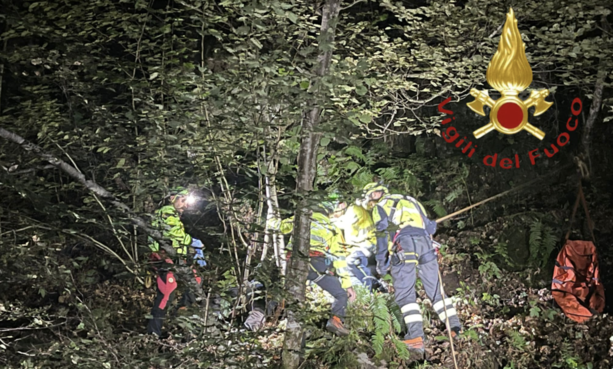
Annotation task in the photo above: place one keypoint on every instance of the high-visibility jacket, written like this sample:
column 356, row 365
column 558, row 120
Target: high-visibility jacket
column 168, row 221
column 398, row 214
column 359, row 229
column 326, row 238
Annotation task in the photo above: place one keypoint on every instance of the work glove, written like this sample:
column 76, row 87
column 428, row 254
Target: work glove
column 200, row 257
column 196, row 243
column 382, row 267
column 436, row 246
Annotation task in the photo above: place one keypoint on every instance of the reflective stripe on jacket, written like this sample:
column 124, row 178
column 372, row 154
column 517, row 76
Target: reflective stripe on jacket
column 399, row 213
column 168, row 221
column 326, row 238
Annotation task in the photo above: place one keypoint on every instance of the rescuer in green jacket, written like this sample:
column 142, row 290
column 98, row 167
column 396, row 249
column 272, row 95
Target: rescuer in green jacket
column 167, row 220
column 327, row 251
column 404, row 220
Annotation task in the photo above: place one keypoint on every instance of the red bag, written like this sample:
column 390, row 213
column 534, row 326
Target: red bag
column 576, row 286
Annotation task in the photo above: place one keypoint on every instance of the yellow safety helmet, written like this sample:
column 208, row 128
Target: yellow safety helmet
column 370, row 188
column 177, row 192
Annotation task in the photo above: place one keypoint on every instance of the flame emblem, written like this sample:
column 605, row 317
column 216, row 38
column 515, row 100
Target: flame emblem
column 509, row 73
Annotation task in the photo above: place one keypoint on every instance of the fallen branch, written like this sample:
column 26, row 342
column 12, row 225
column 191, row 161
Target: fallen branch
column 184, row 272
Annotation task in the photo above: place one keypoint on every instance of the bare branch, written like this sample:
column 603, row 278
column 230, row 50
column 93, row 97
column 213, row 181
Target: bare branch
column 184, row 272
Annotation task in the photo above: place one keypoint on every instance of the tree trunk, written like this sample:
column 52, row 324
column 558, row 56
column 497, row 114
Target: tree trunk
column 272, row 203
column 298, row 267
column 2, row 67
column 596, row 99
column 594, row 109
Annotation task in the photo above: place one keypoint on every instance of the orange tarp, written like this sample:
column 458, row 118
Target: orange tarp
column 576, row 286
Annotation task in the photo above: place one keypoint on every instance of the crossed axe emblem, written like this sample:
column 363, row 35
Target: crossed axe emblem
column 509, row 114
column 509, row 73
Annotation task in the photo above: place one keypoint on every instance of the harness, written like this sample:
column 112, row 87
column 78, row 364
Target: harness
column 328, row 259
column 397, row 250
column 403, row 225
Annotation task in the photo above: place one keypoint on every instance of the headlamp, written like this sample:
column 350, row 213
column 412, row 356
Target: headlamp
column 190, row 200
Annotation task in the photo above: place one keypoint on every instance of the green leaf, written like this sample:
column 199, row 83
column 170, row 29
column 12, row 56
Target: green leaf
column 365, row 118
column 257, row 43
column 324, row 141
column 243, row 30
column 362, row 65
column 361, row 90
column 121, row 162
column 153, row 76
column 291, row 16
column 355, row 121
column 352, row 166
column 304, row 85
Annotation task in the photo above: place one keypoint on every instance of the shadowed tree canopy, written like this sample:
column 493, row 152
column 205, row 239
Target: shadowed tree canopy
column 261, row 108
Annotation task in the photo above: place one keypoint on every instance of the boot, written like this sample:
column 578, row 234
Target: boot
column 415, row 345
column 335, row 325
column 455, row 333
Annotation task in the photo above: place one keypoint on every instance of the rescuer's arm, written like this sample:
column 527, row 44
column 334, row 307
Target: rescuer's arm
column 175, row 231
column 284, row 226
column 287, row 225
column 381, row 223
column 340, row 261
column 429, row 225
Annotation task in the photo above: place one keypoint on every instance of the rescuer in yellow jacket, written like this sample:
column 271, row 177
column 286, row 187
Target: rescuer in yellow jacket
column 404, row 220
column 327, row 252
column 359, row 231
column 167, row 220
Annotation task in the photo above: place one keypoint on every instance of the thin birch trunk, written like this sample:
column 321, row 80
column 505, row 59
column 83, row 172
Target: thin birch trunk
column 298, row 267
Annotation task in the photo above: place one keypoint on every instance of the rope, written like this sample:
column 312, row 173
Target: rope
column 440, row 220
column 446, row 217
column 580, row 197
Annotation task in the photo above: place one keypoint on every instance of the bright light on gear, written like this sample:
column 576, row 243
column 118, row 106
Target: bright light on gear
column 191, row 200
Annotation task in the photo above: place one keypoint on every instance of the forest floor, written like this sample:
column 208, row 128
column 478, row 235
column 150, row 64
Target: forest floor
column 509, row 316
column 510, row 321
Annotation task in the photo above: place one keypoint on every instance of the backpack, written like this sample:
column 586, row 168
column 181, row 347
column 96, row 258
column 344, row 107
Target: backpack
column 576, row 286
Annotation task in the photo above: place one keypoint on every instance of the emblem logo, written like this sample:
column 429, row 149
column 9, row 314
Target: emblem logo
column 509, row 73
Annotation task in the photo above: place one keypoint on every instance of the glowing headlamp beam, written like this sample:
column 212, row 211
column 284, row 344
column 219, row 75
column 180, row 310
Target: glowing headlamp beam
column 190, row 200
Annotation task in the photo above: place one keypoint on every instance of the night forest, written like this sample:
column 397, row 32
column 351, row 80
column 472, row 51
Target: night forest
column 261, row 109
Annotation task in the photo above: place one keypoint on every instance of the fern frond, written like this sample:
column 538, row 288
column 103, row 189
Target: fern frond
column 377, row 343
column 454, row 194
column 549, row 242
column 395, row 323
column 381, row 319
column 536, row 229
column 501, row 248
column 401, row 348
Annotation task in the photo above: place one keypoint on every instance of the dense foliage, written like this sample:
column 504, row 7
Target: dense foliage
column 142, row 96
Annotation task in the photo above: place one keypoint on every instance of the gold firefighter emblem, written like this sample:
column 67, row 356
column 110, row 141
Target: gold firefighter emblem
column 509, row 73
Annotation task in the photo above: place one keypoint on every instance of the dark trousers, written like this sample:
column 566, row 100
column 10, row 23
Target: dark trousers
column 358, row 263
column 417, row 252
column 330, row 284
column 164, row 300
